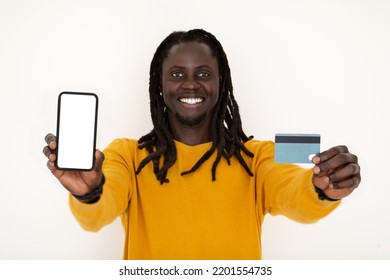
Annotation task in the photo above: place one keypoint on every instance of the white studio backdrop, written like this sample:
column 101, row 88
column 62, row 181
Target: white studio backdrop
column 297, row 66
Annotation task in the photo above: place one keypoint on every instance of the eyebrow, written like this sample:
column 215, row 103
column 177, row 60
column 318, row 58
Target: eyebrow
column 197, row 67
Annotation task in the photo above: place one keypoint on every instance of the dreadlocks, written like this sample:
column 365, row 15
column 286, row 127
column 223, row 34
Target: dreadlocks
column 228, row 139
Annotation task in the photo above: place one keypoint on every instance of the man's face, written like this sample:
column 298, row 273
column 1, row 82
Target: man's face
column 190, row 84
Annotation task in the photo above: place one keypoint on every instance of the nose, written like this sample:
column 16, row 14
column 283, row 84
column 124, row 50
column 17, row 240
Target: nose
column 190, row 84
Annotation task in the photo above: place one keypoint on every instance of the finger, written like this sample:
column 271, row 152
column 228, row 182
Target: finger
column 334, row 163
column 324, row 156
column 52, row 167
column 50, row 137
column 345, row 172
column 47, row 151
column 349, row 183
column 51, row 140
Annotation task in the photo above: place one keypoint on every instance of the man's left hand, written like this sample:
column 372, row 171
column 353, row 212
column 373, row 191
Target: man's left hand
column 336, row 172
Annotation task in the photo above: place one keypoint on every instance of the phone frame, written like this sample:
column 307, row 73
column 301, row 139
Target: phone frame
column 59, row 129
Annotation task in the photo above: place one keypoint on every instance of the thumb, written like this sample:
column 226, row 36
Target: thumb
column 99, row 158
column 321, row 182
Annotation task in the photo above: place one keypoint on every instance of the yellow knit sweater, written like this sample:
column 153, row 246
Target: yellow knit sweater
column 192, row 217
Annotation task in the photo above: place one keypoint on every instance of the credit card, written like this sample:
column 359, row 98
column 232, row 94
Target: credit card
column 296, row 148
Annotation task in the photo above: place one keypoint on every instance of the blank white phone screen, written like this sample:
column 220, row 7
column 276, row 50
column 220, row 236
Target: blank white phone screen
column 76, row 130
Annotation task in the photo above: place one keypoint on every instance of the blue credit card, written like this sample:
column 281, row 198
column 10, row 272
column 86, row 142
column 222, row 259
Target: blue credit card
column 296, row 148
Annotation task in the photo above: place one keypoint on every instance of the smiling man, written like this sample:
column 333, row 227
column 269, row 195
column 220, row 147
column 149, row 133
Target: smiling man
column 190, row 86
column 196, row 186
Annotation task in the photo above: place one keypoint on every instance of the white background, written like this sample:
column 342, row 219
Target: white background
column 297, row 66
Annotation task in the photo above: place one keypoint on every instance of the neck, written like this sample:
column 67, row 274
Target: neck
column 192, row 135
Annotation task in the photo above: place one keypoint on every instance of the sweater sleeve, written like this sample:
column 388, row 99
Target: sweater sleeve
column 287, row 189
column 119, row 171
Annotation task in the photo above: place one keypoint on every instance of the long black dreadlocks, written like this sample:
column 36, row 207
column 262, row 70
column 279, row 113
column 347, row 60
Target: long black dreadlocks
column 228, row 139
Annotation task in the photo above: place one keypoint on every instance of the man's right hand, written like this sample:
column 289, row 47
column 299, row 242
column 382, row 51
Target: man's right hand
column 77, row 182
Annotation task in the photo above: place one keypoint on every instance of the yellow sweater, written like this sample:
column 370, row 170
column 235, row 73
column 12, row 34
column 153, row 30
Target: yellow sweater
column 192, row 217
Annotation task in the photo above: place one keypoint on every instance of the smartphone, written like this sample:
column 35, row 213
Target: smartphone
column 76, row 130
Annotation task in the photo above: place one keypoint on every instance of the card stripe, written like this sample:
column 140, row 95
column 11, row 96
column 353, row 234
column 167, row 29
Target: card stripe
column 297, row 139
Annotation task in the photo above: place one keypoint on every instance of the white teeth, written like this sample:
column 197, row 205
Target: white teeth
column 191, row 100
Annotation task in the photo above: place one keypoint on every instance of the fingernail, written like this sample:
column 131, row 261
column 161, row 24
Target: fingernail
column 326, row 179
column 316, row 160
column 316, row 170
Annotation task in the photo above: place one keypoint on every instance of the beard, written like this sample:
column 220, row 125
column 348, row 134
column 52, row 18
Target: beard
column 191, row 122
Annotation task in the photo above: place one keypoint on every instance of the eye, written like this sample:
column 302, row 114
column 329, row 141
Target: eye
column 203, row 74
column 177, row 74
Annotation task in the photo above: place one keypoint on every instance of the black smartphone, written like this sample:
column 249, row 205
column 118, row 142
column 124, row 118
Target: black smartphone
column 76, row 130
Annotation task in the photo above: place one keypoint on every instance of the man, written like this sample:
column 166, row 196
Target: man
column 196, row 186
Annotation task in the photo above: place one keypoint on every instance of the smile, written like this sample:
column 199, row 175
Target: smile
column 191, row 101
